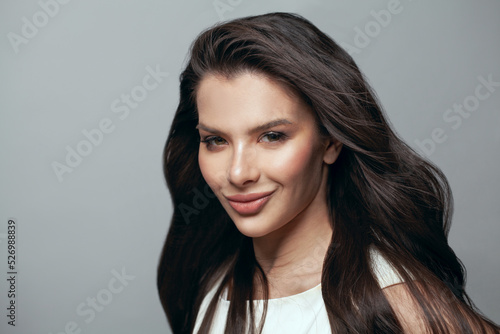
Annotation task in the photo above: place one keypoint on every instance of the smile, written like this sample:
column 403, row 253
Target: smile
column 250, row 203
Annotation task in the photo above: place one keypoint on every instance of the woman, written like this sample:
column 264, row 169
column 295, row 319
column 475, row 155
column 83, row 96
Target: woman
column 321, row 219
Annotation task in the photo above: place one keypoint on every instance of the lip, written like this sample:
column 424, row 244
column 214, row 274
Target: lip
column 247, row 204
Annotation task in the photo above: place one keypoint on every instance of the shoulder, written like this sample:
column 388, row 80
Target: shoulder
column 384, row 272
column 406, row 308
column 409, row 310
column 219, row 319
column 413, row 319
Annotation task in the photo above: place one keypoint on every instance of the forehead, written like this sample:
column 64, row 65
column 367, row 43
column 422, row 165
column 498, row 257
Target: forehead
column 245, row 100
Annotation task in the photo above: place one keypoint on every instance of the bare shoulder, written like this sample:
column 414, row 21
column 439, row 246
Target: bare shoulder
column 412, row 319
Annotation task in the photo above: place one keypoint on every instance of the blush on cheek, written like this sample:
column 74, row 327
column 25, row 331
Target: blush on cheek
column 296, row 161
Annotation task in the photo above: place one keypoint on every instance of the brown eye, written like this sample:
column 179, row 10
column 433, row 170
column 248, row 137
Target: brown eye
column 273, row 137
column 218, row 141
column 214, row 141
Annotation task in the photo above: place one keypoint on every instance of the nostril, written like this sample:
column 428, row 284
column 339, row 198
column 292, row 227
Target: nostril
column 243, row 173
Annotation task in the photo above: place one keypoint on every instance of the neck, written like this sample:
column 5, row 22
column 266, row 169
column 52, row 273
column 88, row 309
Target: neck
column 292, row 256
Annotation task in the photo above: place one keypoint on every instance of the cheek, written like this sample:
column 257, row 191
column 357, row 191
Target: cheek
column 295, row 162
column 210, row 170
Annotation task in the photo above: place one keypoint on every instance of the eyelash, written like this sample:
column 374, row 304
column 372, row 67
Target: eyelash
column 280, row 137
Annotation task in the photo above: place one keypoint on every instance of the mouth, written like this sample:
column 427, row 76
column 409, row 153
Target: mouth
column 247, row 204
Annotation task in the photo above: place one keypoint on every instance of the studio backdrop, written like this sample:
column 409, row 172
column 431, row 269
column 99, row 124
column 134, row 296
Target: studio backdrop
column 88, row 90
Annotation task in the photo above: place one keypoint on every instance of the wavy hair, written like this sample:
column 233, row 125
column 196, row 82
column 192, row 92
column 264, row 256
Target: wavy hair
column 381, row 194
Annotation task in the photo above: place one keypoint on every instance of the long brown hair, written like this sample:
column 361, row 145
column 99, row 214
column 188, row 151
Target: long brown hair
column 381, row 193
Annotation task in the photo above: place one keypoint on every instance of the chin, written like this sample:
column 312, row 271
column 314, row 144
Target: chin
column 252, row 233
column 252, row 228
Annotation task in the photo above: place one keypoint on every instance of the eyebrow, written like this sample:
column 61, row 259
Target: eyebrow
column 258, row 128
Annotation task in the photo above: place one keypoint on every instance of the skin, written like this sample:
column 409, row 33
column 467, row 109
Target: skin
column 292, row 231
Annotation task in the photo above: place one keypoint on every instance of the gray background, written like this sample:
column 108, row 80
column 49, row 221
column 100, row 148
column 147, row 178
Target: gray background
column 113, row 210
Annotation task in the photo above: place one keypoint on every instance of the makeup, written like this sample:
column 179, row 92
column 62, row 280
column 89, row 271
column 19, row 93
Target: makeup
column 250, row 203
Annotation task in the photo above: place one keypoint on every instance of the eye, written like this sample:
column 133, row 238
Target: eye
column 213, row 141
column 271, row 137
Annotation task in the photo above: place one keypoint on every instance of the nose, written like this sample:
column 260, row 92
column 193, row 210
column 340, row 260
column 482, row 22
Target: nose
column 243, row 169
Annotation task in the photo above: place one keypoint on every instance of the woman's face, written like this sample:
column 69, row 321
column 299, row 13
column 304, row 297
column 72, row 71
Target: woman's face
column 261, row 154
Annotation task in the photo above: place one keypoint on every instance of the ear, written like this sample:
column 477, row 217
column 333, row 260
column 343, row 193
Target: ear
column 332, row 151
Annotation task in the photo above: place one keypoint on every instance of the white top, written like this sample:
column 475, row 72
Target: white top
column 303, row 313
